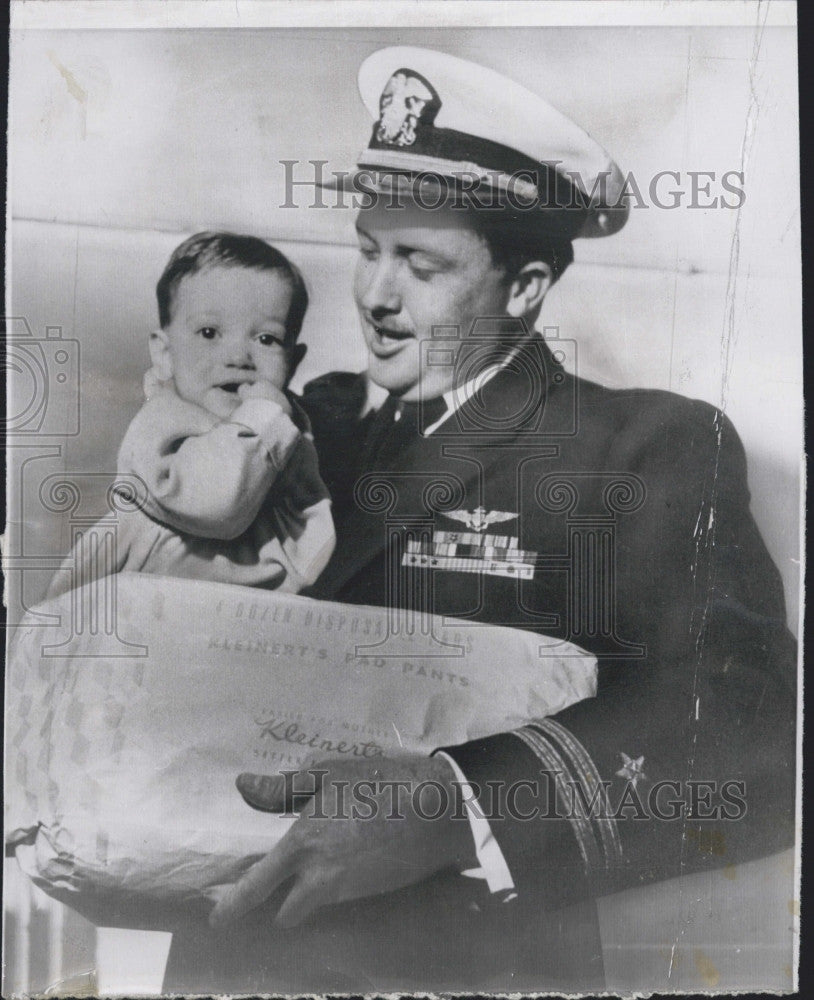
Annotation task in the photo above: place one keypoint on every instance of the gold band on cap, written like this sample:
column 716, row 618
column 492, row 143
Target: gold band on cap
column 420, row 163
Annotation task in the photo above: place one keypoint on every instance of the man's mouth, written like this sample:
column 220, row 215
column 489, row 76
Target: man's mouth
column 387, row 340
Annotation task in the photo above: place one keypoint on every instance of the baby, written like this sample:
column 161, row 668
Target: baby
column 233, row 491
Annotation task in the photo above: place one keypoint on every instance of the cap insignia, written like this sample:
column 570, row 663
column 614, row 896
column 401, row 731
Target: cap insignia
column 407, row 100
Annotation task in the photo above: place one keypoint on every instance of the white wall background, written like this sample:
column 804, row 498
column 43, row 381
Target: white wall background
column 123, row 143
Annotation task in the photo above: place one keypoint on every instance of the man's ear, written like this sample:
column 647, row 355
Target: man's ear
column 528, row 289
column 160, row 354
column 295, row 356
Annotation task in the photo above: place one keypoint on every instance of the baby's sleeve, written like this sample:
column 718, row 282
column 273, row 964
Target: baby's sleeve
column 305, row 527
column 204, row 476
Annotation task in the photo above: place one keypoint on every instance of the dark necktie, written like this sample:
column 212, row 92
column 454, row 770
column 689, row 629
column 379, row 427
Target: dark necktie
column 396, row 425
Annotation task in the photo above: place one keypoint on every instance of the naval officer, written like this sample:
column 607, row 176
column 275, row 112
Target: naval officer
column 618, row 520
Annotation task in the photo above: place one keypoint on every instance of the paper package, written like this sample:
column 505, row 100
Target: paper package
column 125, row 736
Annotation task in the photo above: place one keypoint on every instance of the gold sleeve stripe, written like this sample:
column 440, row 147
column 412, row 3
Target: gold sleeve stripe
column 589, row 775
column 553, row 762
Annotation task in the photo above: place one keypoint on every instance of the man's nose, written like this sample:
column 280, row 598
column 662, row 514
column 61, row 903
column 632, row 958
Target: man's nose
column 380, row 295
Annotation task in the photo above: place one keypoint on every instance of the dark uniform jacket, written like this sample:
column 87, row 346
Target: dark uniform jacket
column 625, row 529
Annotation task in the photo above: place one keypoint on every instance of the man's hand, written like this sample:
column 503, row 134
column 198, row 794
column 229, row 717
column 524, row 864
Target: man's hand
column 358, row 835
column 263, row 389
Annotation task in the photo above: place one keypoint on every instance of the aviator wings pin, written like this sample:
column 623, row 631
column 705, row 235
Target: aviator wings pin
column 479, row 519
column 473, row 551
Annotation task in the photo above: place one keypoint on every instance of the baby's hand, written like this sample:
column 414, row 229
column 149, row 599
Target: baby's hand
column 263, row 389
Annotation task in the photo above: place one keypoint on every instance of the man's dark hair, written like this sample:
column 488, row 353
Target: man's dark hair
column 515, row 239
column 218, row 249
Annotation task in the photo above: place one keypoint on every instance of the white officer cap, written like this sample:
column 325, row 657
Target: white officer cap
column 441, row 116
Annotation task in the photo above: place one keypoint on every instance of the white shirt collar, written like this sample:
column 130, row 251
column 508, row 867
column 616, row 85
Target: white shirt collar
column 456, row 397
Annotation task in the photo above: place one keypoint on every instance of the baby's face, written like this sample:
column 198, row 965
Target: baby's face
column 227, row 329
